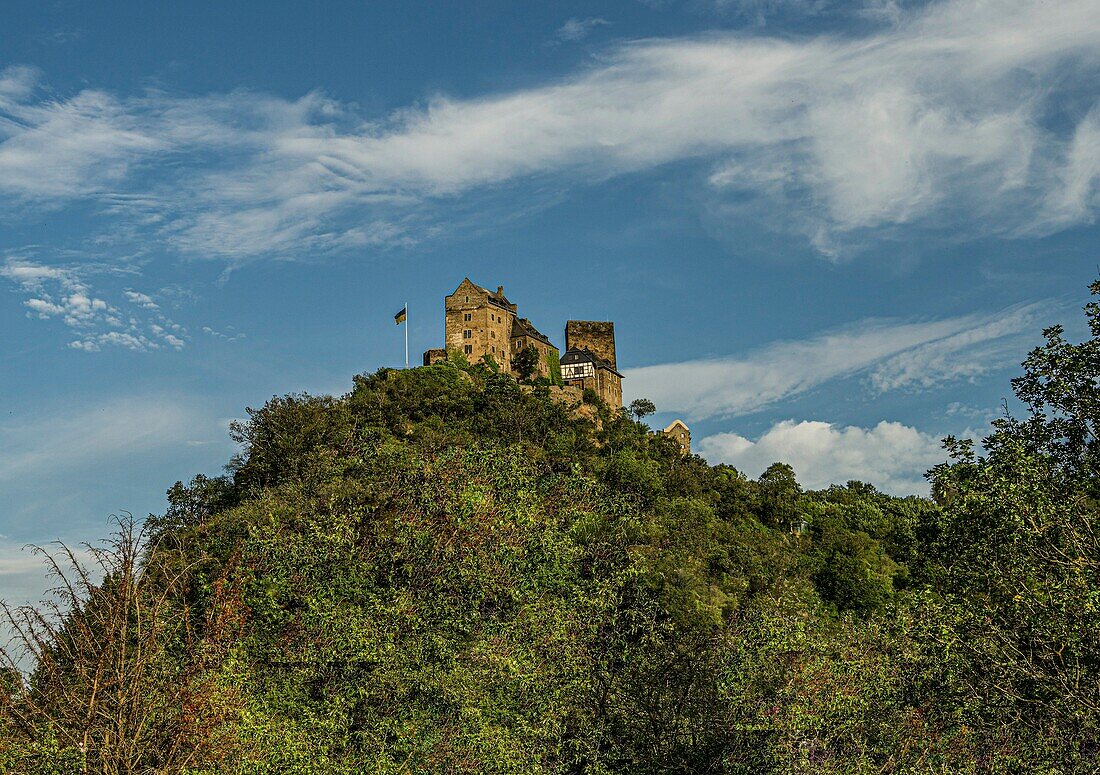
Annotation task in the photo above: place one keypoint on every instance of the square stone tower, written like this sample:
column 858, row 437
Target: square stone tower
column 479, row 322
column 597, row 336
column 589, row 359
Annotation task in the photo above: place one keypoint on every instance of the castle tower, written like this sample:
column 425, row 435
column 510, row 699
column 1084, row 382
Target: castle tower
column 479, row 323
column 678, row 431
column 589, row 360
column 595, row 335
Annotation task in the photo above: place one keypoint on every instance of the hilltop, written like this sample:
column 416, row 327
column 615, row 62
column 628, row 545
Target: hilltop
column 446, row 571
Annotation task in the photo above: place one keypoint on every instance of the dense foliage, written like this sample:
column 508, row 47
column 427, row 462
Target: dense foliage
column 446, row 571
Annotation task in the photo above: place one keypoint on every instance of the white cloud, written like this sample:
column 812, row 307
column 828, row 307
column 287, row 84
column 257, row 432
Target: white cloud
column 891, row 456
column 61, row 293
column 895, row 354
column 576, row 29
column 1078, row 195
column 17, row 83
column 760, row 10
column 968, row 354
column 143, row 300
column 950, row 113
column 114, row 430
column 62, row 471
column 229, row 335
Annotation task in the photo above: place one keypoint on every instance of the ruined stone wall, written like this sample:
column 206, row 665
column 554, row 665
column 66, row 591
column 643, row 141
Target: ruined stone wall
column 596, row 335
column 434, row 355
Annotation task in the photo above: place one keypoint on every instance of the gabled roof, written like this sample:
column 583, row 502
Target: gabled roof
column 672, row 426
column 524, row 327
column 497, row 296
column 576, row 355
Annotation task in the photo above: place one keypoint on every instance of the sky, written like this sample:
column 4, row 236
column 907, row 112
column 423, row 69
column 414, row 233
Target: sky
column 827, row 232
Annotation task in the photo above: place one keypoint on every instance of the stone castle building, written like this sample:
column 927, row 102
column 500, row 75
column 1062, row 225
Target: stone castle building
column 679, row 432
column 481, row 323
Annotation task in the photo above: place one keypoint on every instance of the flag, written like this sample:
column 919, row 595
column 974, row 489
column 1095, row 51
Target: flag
column 399, row 318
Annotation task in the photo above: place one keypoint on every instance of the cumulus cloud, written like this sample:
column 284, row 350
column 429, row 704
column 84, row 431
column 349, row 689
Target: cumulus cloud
column 893, row 354
column 141, row 299
column 890, row 455
column 229, row 335
column 952, row 111
column 55, row 292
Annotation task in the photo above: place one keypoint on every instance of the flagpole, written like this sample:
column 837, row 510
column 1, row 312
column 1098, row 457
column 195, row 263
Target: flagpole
column 406, row 335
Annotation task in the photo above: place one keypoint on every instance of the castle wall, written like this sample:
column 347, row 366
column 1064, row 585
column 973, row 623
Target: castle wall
column 595, row 335
column 434, row 355
column 477, row 326
column 548, row 354
column 611, row 388
column 606, row 384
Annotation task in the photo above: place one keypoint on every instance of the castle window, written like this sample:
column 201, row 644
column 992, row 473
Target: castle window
column 467, row 298
column 467, row 334
column 493, row 334
column 468, row 349
column 493, row 349
column 467, row 316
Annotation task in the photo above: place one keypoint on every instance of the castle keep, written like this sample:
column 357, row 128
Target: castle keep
column 481, row 323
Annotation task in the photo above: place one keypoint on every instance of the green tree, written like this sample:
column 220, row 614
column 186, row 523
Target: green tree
column 1018, row 555
column 640, row 408
column 780, row 498
column 526, row 362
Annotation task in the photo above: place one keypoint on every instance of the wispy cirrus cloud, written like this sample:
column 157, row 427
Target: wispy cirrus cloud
column 954, row 111
column 55, row 293
column 63, row 471
column 109, row 431
column 890, row 455
column 893, row 355
column 576, row 29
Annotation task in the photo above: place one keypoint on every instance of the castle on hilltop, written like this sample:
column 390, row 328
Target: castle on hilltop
column 480, row 323
column 483, row 324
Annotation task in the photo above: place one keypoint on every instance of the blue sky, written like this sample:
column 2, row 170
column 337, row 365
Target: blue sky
column 827, row 231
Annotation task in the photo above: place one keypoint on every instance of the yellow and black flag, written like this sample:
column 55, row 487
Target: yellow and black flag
column 399, row 318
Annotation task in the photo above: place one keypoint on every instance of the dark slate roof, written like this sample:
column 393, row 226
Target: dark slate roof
column 498, row 298
column 523, row 327
column 576, row 355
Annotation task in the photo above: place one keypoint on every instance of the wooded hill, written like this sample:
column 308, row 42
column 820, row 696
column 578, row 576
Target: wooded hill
column 444, row 572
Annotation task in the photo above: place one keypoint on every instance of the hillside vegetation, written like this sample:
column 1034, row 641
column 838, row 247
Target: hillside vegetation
column 444, row 571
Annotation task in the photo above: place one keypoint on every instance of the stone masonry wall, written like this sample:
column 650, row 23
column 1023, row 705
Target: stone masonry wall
column 489, row 326
column 597, row 335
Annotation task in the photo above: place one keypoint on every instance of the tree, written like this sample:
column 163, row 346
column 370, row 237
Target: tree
column 641, row 408
column 1019, row 552
column 125, row 680
column 526, row 362
column 780, row 496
